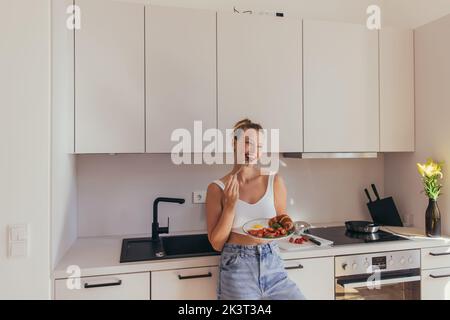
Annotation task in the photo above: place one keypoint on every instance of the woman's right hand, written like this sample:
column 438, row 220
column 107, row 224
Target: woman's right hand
column 231, row 192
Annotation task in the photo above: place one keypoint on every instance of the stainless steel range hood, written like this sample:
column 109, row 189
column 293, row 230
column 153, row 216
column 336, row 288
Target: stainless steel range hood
column 330, row 155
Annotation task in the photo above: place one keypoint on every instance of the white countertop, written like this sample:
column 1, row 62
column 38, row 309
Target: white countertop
column 100, row 255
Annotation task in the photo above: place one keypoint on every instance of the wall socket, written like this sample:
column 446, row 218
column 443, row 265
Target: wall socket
column 199, row 197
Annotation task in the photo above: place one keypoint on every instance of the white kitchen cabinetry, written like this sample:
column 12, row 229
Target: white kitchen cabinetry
column 314, row 277
column 109, row 78
column 181, row 73
column 185, row 284
column 133, row 286
column 341, row 96
column 396, row 90
column 435, row 282
column 260, row 74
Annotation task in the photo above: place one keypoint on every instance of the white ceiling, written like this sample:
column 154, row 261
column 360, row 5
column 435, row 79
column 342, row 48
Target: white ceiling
column 402, row 13
column 414, row 13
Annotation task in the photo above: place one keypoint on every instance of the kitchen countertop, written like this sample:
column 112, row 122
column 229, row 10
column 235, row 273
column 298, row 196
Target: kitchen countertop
column 100, row 255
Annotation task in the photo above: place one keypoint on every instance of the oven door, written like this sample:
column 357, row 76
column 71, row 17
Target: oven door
column 403, row 285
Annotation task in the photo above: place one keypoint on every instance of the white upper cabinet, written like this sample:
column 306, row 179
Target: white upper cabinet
column 181, row 73
column 260, row 74
column 341, row 95
column 109, row 78
column 396, row 90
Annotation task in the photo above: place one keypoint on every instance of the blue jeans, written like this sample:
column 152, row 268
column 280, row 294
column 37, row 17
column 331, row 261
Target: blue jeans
column 254, row 272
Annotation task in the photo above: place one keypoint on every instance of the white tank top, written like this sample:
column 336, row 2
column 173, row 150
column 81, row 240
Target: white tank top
column 244, row 211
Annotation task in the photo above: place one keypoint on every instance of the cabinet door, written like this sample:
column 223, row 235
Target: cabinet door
column 341, row 108
column 396, row 90
column 181, row 73
column 435, row 284
column 133, row 286
column 314, row 277
column 185, row 284
column 259, row 74
column 109, row 78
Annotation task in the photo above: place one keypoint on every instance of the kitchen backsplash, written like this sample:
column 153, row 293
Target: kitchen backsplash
column 116, row 192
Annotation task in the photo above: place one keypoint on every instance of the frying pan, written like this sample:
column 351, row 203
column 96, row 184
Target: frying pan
column 361, row 226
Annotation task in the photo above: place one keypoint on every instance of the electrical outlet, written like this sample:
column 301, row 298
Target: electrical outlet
column 199, row 197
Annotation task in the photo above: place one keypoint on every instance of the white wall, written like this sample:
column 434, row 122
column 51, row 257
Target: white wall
column 64, row 197
column 25, row 144
column 115, row 193
column 432, row 64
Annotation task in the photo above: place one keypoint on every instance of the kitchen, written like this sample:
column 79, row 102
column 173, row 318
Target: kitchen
column 365, row 114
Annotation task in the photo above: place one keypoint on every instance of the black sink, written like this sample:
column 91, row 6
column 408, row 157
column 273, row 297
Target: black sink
column 182, row 246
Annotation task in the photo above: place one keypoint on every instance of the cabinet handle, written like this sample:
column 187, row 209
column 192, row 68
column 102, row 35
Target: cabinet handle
column 98, row 285
column 294, row 267
column 208, row 275
column 440, row 276
column 439, row 254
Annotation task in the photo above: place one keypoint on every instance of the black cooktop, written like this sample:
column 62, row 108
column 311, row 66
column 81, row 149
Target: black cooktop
column 340, row 236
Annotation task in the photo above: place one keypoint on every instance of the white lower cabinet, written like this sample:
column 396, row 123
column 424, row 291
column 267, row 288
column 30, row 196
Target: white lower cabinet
column 133, row 286
column 314, row 277
column 435, row 282
column 185, row 284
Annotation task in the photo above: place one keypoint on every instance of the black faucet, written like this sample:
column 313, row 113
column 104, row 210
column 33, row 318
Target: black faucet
column 156, row 230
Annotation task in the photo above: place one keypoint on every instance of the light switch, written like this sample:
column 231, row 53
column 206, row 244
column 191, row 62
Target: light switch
column 18, row 232
column 18, row 249
column 18, row 240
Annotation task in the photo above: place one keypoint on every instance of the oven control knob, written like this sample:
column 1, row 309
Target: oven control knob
column 354, row 266
column 344, row 266
column 410, row 260
column 391, row 262
column 402, row 260
column 366, row 264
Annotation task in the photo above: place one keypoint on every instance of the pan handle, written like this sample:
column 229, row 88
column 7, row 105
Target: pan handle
column 368, row 195
column 374, row 188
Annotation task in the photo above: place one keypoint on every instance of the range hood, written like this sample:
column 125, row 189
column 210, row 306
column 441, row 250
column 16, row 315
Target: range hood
column 330, row 155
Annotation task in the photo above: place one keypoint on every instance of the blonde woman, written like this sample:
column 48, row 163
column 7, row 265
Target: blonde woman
column 249, row 268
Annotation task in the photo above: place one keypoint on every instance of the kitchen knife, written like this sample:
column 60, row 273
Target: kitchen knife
column 317, row 242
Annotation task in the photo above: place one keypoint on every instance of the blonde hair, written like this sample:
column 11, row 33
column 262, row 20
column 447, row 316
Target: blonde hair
column 245, row 124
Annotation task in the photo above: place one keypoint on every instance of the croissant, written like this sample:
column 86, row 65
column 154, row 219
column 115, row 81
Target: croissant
column 284, row 220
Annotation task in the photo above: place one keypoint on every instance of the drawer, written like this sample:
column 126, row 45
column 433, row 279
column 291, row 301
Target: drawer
column 133, row 286
column 435, row 284
column 438, row 257
column 185, row 284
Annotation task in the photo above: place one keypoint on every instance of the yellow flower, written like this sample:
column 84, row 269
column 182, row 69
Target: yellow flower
column 430, row 169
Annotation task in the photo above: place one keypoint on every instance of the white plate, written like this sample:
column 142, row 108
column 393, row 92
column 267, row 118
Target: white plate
column 259, row 224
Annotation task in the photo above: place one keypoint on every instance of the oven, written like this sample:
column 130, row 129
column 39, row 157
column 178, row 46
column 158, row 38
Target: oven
column 379, row 276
